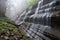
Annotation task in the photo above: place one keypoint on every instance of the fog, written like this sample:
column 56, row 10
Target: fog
column 12, row 8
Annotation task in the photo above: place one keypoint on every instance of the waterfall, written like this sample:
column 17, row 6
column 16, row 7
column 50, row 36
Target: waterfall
column 38, row 20
column 34, row 19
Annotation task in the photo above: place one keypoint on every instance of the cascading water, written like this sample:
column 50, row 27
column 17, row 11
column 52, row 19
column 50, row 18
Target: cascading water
column 36, row 29
column 35, row 20
column 39, row 22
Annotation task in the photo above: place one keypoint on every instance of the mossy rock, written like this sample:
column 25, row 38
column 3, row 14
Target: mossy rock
column 4, row 27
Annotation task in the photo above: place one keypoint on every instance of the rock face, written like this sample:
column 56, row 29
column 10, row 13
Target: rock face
column 38, row 20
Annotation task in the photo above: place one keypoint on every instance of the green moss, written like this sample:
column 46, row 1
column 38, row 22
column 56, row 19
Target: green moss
column 4, row 26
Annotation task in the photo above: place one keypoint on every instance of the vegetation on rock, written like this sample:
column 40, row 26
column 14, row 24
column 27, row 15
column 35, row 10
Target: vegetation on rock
column 11, row 32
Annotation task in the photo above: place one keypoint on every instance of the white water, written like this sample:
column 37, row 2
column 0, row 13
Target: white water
column 15, row 12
